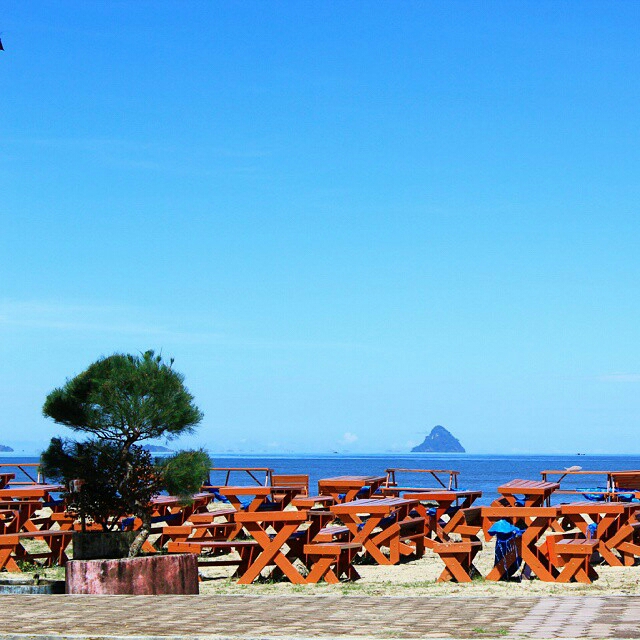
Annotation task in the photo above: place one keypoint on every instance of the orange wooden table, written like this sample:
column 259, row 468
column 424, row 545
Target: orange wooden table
column 346, row 488
column 537, row 520
column 259, row 496
column 27, row 516
column 12, row 548
column 447, row 503
column 258, row 524
column 40, row 492
column 374, row 510
column 610, row 518
column 535, row 493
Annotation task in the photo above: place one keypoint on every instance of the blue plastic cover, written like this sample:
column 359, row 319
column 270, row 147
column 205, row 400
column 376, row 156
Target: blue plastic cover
column 504, row 527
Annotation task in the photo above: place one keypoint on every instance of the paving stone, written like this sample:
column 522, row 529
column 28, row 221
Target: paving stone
column 249, row 617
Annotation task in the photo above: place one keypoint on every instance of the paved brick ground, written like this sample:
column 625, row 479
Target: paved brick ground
column 311, row 617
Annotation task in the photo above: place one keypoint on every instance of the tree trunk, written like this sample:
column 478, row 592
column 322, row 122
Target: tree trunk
column 142, row 536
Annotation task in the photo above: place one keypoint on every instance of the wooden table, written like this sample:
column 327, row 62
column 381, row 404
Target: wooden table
column 537, row 520
column 609, row 517
column 40, row 492
column 12, row 548
column 25, row 515
column 285, row 524
column 534, row 492
column 447, row 503
column 346, row 488
column 259, row 496
column 374, row 510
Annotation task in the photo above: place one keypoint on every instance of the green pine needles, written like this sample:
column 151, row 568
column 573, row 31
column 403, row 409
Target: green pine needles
column 118, row 402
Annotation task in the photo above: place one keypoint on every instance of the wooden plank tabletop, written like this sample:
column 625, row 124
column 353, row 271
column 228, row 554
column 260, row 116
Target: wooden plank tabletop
column 350, row 480
column 528, row 487
column 591, row 507
column 519, row 512
column 372, row 505
column 440, row 494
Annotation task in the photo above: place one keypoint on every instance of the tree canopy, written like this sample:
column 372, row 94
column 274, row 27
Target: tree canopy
column 126, row 398
column 119, row 401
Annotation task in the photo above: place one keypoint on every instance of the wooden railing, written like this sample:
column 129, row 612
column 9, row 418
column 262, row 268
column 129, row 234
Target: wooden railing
column 450, row 484
column 251, row 472
column 30, row 469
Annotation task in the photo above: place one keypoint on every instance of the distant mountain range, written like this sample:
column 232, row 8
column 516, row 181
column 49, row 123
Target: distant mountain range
column 5, row 449
column 439, row 441
column 156, row 448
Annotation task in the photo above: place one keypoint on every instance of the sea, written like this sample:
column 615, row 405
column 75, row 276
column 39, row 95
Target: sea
column 478, row 472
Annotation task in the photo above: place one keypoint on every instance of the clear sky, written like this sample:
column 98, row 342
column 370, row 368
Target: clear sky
column 346, row 221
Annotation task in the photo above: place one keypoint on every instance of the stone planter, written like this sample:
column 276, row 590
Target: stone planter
column 148, row 575
column 94, row 545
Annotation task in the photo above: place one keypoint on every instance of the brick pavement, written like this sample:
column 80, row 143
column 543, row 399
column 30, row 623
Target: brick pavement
column 252, row 617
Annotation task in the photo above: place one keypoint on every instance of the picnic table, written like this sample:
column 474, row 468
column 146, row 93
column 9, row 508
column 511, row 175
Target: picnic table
column 40, row 492
column 363, row 517
column 536, row 521
column 12, row 548
column 27, row 515
column 258, row 525
column 447, row 503
column 534, row 493
column 346, row 488
column 258, row 497
column 614, row 525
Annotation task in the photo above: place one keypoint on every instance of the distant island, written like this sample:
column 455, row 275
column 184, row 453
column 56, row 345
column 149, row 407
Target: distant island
column 439, row 441
column 5, row 449
column 156, row 448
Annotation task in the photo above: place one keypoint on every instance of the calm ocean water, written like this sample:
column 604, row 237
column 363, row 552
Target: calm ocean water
column 484, row 472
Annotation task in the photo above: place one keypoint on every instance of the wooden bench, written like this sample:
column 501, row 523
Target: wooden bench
column 625, row 481
column 209, row 516
column 333, row 534
column 404, row 538
column 206, row 531
column 329, row 561
column 248, row 550
column 573, row 557
column 310, row 502
column 458, row 560
column 299, row 482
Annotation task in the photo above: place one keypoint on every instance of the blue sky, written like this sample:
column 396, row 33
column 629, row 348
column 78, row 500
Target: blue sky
column 347, row 222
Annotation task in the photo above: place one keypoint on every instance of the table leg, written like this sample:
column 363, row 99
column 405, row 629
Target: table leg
column 271, row 554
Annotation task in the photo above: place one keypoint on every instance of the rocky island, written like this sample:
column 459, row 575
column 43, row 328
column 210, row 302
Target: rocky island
column 439, row 441
column 5, row 449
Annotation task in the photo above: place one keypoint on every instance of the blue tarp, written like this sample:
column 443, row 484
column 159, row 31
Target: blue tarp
column 506, row 548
